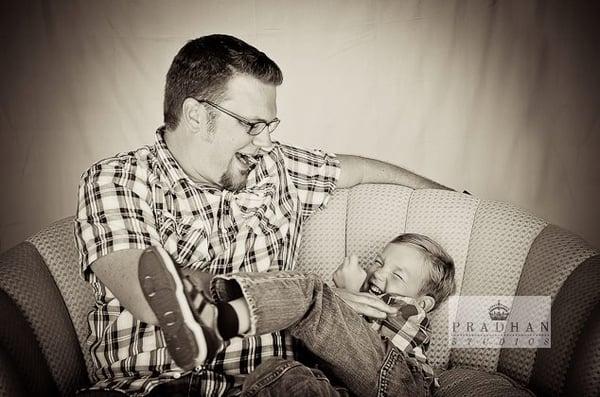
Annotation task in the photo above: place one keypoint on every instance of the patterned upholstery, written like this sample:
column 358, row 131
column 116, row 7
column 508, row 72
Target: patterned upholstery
column 501, row 237
column 498, row 249
column 447, row 217
column 12, row 383
column 323, row 240
column 573, row 306
column 583, row 377
column 376, row 214
column 465, row 382
column 25, row 278
column 56, row 244
column 20, row 351
column 552, row 258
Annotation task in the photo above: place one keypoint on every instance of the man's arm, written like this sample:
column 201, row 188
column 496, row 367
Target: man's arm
column 115, row 222
column 118, row 271
column 357, row 170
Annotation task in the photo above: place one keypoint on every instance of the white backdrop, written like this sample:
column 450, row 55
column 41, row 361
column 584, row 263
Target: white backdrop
column 500, row 98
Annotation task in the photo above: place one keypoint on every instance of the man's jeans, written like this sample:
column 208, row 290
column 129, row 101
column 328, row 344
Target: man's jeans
column 273, row 378
column 347, row 349
column 280, row 377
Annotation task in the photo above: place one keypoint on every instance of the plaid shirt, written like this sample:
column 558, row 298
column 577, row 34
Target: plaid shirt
column 143, row 198
column 409, row 331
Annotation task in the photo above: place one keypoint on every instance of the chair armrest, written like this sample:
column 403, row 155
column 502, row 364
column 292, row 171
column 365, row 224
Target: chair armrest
column 20, row 353
column 575, row 335
column 32, row 298
column 582, row 376
column 11, row 381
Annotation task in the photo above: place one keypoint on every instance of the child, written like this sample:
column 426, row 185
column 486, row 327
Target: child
column 413, row 274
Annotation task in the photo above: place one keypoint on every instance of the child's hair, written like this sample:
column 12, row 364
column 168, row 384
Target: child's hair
column 440, row 283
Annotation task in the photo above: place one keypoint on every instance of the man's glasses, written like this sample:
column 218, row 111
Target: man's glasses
column 254, row 127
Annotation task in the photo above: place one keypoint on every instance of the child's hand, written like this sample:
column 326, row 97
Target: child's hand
column 372, row 268
column 349, row 275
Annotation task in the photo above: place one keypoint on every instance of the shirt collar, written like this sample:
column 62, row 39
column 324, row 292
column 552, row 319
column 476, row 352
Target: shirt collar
column 171, row 167
column 409, row 312
column 403, row 302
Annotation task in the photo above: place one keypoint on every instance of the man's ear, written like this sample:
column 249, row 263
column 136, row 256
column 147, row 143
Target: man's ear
column 193, row 116
column 426, row 302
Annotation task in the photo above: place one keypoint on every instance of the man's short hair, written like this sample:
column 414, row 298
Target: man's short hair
column 203, row 67
column 440, row 284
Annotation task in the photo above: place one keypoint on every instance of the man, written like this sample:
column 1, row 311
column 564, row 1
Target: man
column 218, row 195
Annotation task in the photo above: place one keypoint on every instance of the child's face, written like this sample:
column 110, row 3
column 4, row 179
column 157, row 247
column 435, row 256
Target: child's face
column 401, row 271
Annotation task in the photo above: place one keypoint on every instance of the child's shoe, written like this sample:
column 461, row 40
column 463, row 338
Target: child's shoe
column 191, row 334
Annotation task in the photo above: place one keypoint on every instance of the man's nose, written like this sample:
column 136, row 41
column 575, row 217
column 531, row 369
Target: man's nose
column 263, row 140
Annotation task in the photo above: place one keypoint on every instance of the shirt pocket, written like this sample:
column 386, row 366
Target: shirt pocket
column 184, row 237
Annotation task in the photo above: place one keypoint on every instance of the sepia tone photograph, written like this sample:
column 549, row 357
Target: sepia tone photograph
column 300, row 198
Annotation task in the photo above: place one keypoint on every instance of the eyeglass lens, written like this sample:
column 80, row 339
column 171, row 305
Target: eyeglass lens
column 260, row 126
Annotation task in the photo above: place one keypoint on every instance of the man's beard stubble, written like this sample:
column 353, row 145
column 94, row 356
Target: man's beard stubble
column 233, row 180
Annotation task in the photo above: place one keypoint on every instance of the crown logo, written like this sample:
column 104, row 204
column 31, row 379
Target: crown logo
column 499, row 312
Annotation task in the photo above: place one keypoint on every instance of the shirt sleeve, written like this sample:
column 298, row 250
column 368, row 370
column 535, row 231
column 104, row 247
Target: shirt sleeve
column 314, row 174
column 114, row 211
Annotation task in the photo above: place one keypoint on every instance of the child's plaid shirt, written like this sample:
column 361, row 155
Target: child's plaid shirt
column 409, row 331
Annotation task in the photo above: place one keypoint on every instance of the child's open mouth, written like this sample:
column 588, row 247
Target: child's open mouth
column 375, row 290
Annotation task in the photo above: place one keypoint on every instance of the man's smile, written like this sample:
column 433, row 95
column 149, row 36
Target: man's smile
column 248, row 160
column 243, row 159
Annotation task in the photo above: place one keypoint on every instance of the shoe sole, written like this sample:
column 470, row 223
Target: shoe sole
column 164, row 292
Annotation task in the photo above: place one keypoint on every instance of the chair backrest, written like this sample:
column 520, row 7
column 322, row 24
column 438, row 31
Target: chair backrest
column 372, row 216
column 498, row 249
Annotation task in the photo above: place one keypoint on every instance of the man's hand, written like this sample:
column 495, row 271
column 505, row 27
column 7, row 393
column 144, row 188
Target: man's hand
column 365, row 303
column 349, row 275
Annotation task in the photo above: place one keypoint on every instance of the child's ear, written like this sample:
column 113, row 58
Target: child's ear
column 426, row 302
